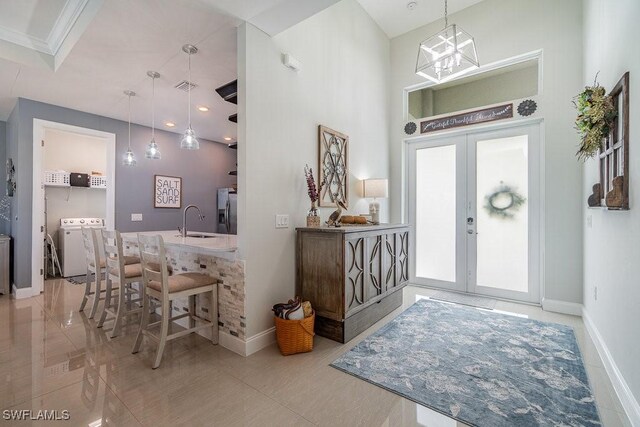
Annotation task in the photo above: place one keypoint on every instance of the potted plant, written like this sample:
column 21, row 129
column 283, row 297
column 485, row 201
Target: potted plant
column 595, row 117
column 313, row 220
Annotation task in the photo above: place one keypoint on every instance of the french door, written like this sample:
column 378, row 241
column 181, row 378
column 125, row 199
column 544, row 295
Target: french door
column 474, row 203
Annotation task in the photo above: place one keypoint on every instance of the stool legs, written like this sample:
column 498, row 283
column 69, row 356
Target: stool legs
column 144, row 322
column 107, row 303
column 164, row 331
column 87, row 290
column 96, row 295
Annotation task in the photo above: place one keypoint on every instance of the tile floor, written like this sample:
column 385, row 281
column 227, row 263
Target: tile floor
column 53, row 357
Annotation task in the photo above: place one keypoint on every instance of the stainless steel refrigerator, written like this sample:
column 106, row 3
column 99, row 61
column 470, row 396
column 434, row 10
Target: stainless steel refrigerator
column 227, row 211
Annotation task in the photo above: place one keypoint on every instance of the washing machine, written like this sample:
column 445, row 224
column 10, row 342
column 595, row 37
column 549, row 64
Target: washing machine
column 74, row 257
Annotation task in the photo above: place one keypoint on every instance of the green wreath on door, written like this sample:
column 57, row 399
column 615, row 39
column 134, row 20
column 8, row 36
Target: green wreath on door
column 504, row 202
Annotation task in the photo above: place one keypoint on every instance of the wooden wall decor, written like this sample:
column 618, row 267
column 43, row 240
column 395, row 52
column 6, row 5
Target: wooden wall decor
column 613, row 157
column 333, row 149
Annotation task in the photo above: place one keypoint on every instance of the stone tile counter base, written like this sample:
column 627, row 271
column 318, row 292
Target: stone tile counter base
column 230, row 275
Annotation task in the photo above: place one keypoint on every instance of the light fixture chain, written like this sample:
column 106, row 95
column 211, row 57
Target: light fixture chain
column 129, row 121
column 153, row 108
column 189, row 86
column 446, row 17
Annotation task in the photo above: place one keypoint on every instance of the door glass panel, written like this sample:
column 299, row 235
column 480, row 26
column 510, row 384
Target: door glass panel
column 502, row 213
column 436, row 213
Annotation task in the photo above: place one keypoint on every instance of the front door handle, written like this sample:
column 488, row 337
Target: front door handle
column 470, row 221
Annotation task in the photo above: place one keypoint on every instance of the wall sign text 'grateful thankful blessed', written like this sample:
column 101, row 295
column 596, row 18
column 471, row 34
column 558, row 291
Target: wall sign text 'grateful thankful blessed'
column 465, row 119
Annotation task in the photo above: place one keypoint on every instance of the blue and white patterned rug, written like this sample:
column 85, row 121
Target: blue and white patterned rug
column 479, row 367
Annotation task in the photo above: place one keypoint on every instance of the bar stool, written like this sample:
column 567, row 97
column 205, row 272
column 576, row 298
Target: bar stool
column 124, row 275
column 164, row 288
column 95, row 265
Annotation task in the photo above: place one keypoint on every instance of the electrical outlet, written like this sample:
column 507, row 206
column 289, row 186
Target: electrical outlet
column 282, row 221
column 589, row 221
column 136, row 217
column 595, row 293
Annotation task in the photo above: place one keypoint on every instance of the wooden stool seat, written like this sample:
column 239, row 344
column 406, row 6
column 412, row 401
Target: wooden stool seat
column 128, row 260
column 184, row 281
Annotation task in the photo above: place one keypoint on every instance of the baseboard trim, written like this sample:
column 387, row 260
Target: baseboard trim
column 629, row 403
column 251, row 345
column 260, row 341
column 562, row 307
column 233, row 343
column 21, row 293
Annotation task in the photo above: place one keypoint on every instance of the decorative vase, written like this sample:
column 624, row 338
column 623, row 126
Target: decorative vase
column 313, row 220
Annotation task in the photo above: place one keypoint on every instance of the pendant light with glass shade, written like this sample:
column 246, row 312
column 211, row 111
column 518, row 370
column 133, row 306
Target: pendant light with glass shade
column 129, row 159
column 152, row 151
column 189, row 140
column 447, row 54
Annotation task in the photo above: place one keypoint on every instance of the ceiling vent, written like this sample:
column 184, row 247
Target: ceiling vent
column 184, row 85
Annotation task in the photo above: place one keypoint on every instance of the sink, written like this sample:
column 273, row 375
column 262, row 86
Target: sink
column 198, row 235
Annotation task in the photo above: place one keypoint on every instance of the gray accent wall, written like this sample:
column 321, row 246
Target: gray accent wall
column 202, row 172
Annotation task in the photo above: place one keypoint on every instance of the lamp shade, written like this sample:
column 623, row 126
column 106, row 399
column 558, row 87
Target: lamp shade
column 376, row 188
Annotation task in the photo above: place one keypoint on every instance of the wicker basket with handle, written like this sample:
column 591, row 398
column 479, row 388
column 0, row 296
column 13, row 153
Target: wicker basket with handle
column 295, row 336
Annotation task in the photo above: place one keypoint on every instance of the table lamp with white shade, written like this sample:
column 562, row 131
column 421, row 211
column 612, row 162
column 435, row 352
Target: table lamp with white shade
column 374, row 188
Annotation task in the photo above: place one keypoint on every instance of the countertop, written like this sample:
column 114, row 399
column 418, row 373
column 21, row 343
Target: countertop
column 352, row 228
column 220, row 243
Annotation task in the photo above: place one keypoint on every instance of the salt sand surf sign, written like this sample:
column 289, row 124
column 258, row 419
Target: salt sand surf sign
column 465, row 119
column 167, row 192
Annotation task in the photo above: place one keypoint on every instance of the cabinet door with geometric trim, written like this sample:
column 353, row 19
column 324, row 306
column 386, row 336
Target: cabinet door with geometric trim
column 374, row 279
column 355, row 272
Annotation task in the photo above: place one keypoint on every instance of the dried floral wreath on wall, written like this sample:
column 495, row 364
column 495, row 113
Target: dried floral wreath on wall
column 596, row 113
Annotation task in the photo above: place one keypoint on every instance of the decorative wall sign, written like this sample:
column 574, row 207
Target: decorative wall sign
column 504, row 202
column 333, row 167
column 527, row 107
column 410, row 128
column 167, row 192
column 465, row 119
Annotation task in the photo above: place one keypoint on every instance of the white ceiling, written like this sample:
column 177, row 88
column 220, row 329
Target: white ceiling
column 395, row 18
column 126, row 39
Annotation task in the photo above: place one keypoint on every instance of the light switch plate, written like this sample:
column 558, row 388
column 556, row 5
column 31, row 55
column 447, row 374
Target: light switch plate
column 136, row 217
column 282, row 221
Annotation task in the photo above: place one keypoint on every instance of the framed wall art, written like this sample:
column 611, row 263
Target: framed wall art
column 613, row 157
column 167, row 192
column 333, row 175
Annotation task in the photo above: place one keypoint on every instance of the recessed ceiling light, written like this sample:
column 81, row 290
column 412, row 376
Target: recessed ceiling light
column 169, row 124
column 203, row 108
column 227, row 138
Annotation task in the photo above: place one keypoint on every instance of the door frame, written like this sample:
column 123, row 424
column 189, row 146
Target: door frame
column 409, row 203
column 37, row 207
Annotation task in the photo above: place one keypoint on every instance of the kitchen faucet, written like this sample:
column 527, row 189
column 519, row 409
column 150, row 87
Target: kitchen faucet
column 183, row 230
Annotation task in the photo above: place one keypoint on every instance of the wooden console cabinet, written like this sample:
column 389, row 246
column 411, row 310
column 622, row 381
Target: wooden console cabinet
column 352, row 276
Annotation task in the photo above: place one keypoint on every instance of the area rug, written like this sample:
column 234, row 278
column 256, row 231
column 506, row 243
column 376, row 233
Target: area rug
column 479, row 367
column 472, row 300
column 82, row 279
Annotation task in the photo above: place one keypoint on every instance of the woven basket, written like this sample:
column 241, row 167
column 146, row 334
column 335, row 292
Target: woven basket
column 295, row 336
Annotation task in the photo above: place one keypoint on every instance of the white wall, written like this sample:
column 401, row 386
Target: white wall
column 343, row 84
column 612, row 243
column 73, row 152
column 504, row 29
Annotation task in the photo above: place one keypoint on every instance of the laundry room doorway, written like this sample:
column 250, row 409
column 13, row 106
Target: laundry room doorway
column 73, row 178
